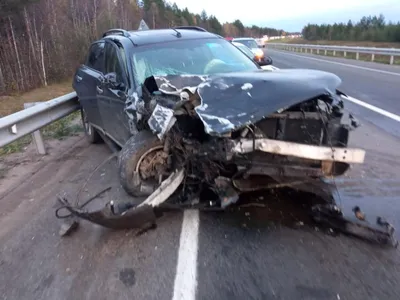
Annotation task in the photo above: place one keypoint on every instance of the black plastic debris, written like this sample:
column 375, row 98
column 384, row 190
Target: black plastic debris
column 332, row 217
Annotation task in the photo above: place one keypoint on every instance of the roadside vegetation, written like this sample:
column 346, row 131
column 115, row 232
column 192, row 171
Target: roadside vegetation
column 45, row 40
column 60, row 129
column 367, row 29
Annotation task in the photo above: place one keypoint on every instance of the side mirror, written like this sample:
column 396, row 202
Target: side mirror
column 111, row 78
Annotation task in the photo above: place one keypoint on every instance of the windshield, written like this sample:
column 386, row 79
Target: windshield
column 198, row 57
column 245, row 50
column 249, row 43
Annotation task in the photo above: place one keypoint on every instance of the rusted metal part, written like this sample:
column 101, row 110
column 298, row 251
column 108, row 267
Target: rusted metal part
column 324, row 153
column 332, row 217
column 153, row 163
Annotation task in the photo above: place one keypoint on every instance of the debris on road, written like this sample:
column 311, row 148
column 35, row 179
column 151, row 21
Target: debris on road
column 332, row 217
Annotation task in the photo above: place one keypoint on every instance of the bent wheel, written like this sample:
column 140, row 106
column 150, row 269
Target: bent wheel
column 142, row 164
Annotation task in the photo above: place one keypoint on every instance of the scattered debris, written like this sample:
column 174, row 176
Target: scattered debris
column 332, row 217
column 68, row 226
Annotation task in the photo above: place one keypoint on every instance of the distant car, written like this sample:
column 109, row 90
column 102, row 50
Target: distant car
column 259, row 55
column 249, row 53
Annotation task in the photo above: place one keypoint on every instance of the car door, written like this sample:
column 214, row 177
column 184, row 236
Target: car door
column 86, row 80
column 112, row 94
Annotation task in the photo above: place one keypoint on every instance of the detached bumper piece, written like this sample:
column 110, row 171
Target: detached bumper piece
column 123, row 215
column 323, row 153
column 332, row 217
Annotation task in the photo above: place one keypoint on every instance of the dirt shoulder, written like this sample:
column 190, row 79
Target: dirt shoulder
column 13, row 103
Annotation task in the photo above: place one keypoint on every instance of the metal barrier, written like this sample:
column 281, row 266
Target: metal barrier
column 392, row 52
column 36, row 116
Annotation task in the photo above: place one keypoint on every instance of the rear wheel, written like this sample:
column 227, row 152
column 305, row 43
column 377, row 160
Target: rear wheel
column 91, row 133
column 142, row 164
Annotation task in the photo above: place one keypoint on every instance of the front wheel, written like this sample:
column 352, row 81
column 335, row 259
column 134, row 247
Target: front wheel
column 142, row 164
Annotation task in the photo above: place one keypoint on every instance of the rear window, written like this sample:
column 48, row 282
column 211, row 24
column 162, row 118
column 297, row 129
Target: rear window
column 198, row 57
column 249, row 43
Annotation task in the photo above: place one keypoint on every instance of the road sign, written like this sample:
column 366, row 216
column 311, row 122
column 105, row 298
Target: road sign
column 143, row 25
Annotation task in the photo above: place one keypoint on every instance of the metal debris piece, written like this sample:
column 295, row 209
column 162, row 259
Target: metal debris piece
column 68, row 226
column 225, row 191
column 332, row 217
column 358, row 213
column 125, row 215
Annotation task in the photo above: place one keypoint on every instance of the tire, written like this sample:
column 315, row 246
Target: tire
column 92, row 135
column 128, row 159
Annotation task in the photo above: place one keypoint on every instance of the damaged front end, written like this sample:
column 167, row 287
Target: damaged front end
column 237, row 132
column 286, row 126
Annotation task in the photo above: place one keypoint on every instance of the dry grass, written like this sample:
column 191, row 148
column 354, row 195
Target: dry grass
column 13, row 103
column 58, row 130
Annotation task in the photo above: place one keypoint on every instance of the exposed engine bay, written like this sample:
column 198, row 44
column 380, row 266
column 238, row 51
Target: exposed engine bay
column 230, row 134
column 222, row 143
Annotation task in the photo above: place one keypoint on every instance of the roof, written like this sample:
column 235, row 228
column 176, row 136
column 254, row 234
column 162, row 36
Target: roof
column 143, row 37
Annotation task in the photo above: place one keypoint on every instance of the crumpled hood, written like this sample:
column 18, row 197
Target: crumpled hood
column 231, row 100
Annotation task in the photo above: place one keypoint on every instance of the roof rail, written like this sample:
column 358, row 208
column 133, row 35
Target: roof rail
column 190, row 28
column 122, row 32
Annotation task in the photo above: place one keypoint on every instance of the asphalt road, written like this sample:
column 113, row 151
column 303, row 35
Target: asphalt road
column 252, row 253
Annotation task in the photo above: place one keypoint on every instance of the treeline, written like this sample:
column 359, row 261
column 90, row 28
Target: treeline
column 43, row 41
column 371, row 28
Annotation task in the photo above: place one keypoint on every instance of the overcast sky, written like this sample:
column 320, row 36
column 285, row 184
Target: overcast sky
column 292, row 15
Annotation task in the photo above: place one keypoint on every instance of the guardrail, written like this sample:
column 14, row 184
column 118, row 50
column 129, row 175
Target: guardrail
column 392, row 52
column 36, row 116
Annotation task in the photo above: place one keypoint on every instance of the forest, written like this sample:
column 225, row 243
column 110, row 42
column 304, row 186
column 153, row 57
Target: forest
column 45, row 40
column 369, row 28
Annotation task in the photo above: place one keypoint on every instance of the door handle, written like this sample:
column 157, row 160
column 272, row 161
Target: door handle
column 99, row 90
column 78, row 78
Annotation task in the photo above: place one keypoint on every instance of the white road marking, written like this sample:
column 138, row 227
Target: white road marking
column 373, row 108
column 341, row 64
column 186, row 270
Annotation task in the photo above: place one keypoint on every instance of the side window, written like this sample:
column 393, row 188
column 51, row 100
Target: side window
column 113, row 63
column 96, row 57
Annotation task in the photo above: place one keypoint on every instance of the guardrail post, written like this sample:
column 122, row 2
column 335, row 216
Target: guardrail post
column 37, row 135
column 334, row 52
column 317, row 51
column 392, row 60
column 344, row 53
column 357, row 55
column 372, row 57
column 326, row 52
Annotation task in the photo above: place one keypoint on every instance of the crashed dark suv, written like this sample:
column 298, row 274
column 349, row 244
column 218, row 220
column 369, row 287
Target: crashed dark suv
column 190, row 112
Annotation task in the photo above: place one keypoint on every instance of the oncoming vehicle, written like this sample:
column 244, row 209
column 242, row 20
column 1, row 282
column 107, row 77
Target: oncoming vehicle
column 250, row 53
column 259, row 55
column 190, row 112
